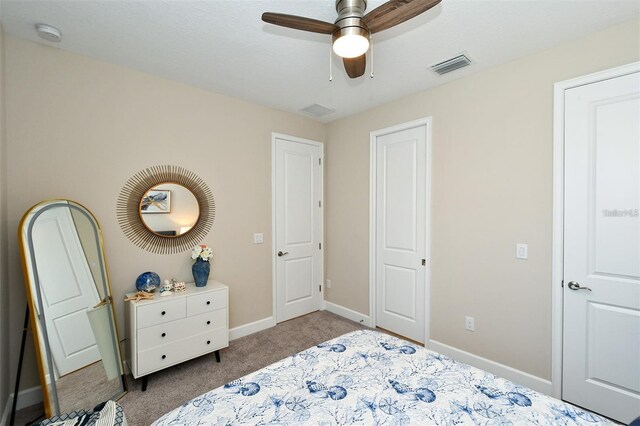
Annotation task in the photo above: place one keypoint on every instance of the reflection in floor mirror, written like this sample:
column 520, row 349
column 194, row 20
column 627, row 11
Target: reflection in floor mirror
column 71, row 310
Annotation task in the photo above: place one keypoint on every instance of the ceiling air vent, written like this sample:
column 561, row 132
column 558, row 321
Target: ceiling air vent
column 451, row 65
column 318, row 110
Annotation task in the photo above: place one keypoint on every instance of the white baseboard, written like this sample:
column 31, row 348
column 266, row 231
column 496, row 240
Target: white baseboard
column 529, row 380
column 32, row 396
column 252, row 327
column 347, row 313
column 26, row 398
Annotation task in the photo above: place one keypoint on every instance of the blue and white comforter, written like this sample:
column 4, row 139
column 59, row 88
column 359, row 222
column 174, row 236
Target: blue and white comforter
column 366, row 377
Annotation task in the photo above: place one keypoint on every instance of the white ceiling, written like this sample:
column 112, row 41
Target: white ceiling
column 223, row 46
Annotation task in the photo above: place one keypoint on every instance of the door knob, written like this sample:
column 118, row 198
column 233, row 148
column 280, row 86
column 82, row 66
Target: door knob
column 282, row 253
column 575, row 286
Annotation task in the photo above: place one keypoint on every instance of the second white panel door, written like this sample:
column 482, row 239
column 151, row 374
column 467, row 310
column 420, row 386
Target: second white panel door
column 401, row 231
column 298, row 233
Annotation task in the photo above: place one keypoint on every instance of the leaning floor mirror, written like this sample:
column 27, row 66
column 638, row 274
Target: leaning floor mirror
column 71, row 307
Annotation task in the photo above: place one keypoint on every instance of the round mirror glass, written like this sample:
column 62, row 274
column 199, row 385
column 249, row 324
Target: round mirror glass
column 169, row 210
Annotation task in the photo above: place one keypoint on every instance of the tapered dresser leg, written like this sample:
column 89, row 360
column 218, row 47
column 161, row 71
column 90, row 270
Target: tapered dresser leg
column 217, row 356
column 145, row 380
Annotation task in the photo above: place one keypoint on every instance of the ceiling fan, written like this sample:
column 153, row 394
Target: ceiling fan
column 353, row 29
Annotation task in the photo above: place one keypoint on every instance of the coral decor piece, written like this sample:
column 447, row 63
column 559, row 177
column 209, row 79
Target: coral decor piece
column 138, row 296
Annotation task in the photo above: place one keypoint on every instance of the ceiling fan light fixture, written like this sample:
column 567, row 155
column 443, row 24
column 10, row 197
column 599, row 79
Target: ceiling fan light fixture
column 351, row 31
column 351, row 42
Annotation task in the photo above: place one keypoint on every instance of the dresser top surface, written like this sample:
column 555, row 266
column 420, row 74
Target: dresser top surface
column 190, row 291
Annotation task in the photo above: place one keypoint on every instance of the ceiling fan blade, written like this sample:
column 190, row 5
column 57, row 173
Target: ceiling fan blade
column 355, row 67
column 299, row 23
column 395, row 12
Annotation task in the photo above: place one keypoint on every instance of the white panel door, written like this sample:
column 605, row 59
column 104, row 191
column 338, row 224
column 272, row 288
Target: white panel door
column 401, row 232
column 70, row 335
column 298, row 223
column 601, row 348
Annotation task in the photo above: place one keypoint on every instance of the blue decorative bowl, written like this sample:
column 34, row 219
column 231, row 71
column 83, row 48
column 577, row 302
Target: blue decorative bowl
column 148, row 281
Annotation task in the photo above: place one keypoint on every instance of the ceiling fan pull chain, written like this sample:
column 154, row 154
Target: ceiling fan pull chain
column 371, row 44
column 330, row 61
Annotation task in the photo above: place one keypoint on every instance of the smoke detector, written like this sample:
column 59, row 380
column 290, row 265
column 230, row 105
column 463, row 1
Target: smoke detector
column 49, row 33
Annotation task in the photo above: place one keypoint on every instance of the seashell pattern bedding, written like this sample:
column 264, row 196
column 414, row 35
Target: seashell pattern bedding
column 365, row 377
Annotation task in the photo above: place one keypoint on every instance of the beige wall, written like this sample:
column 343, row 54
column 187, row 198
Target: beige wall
column 492, row 188
column 4, row 300
column 78, row 128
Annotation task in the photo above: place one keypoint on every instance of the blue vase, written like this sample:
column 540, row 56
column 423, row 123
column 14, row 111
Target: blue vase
column 201, row 271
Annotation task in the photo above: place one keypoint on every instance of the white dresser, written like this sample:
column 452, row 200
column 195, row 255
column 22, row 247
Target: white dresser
column 166, row 331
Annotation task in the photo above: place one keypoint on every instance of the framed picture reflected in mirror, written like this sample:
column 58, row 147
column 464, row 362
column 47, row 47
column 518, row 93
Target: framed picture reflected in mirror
column 156, row 201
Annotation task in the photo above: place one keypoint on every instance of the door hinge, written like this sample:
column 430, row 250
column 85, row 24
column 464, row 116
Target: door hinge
column 319, row 246
column 424, row 262
column 319, row 203
column 320, row 288
column 562, row 284
column 319, row 161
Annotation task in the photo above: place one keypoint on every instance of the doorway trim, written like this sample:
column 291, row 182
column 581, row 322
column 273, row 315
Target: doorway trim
column 557, row 251
column 274, row 282
column 426, row 122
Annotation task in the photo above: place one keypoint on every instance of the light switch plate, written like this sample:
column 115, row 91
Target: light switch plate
column 258, row 238
column 522, row 251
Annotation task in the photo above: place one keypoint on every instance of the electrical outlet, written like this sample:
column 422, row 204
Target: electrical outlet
column 470, row 323
column 258, row 238
column 328, row 283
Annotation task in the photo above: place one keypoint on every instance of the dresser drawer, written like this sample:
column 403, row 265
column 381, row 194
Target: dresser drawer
column 208, row 342
column 181, row 350
column 166, row 333
column 161, row 312
column 206, row 302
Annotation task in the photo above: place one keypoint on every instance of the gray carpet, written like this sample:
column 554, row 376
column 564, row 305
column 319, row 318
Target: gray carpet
column 174, row 386
column 86, row 388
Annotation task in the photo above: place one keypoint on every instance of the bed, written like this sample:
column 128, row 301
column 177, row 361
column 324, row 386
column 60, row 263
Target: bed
column 365, row 377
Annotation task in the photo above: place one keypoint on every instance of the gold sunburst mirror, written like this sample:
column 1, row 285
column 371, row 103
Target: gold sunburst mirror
column 165, row 209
